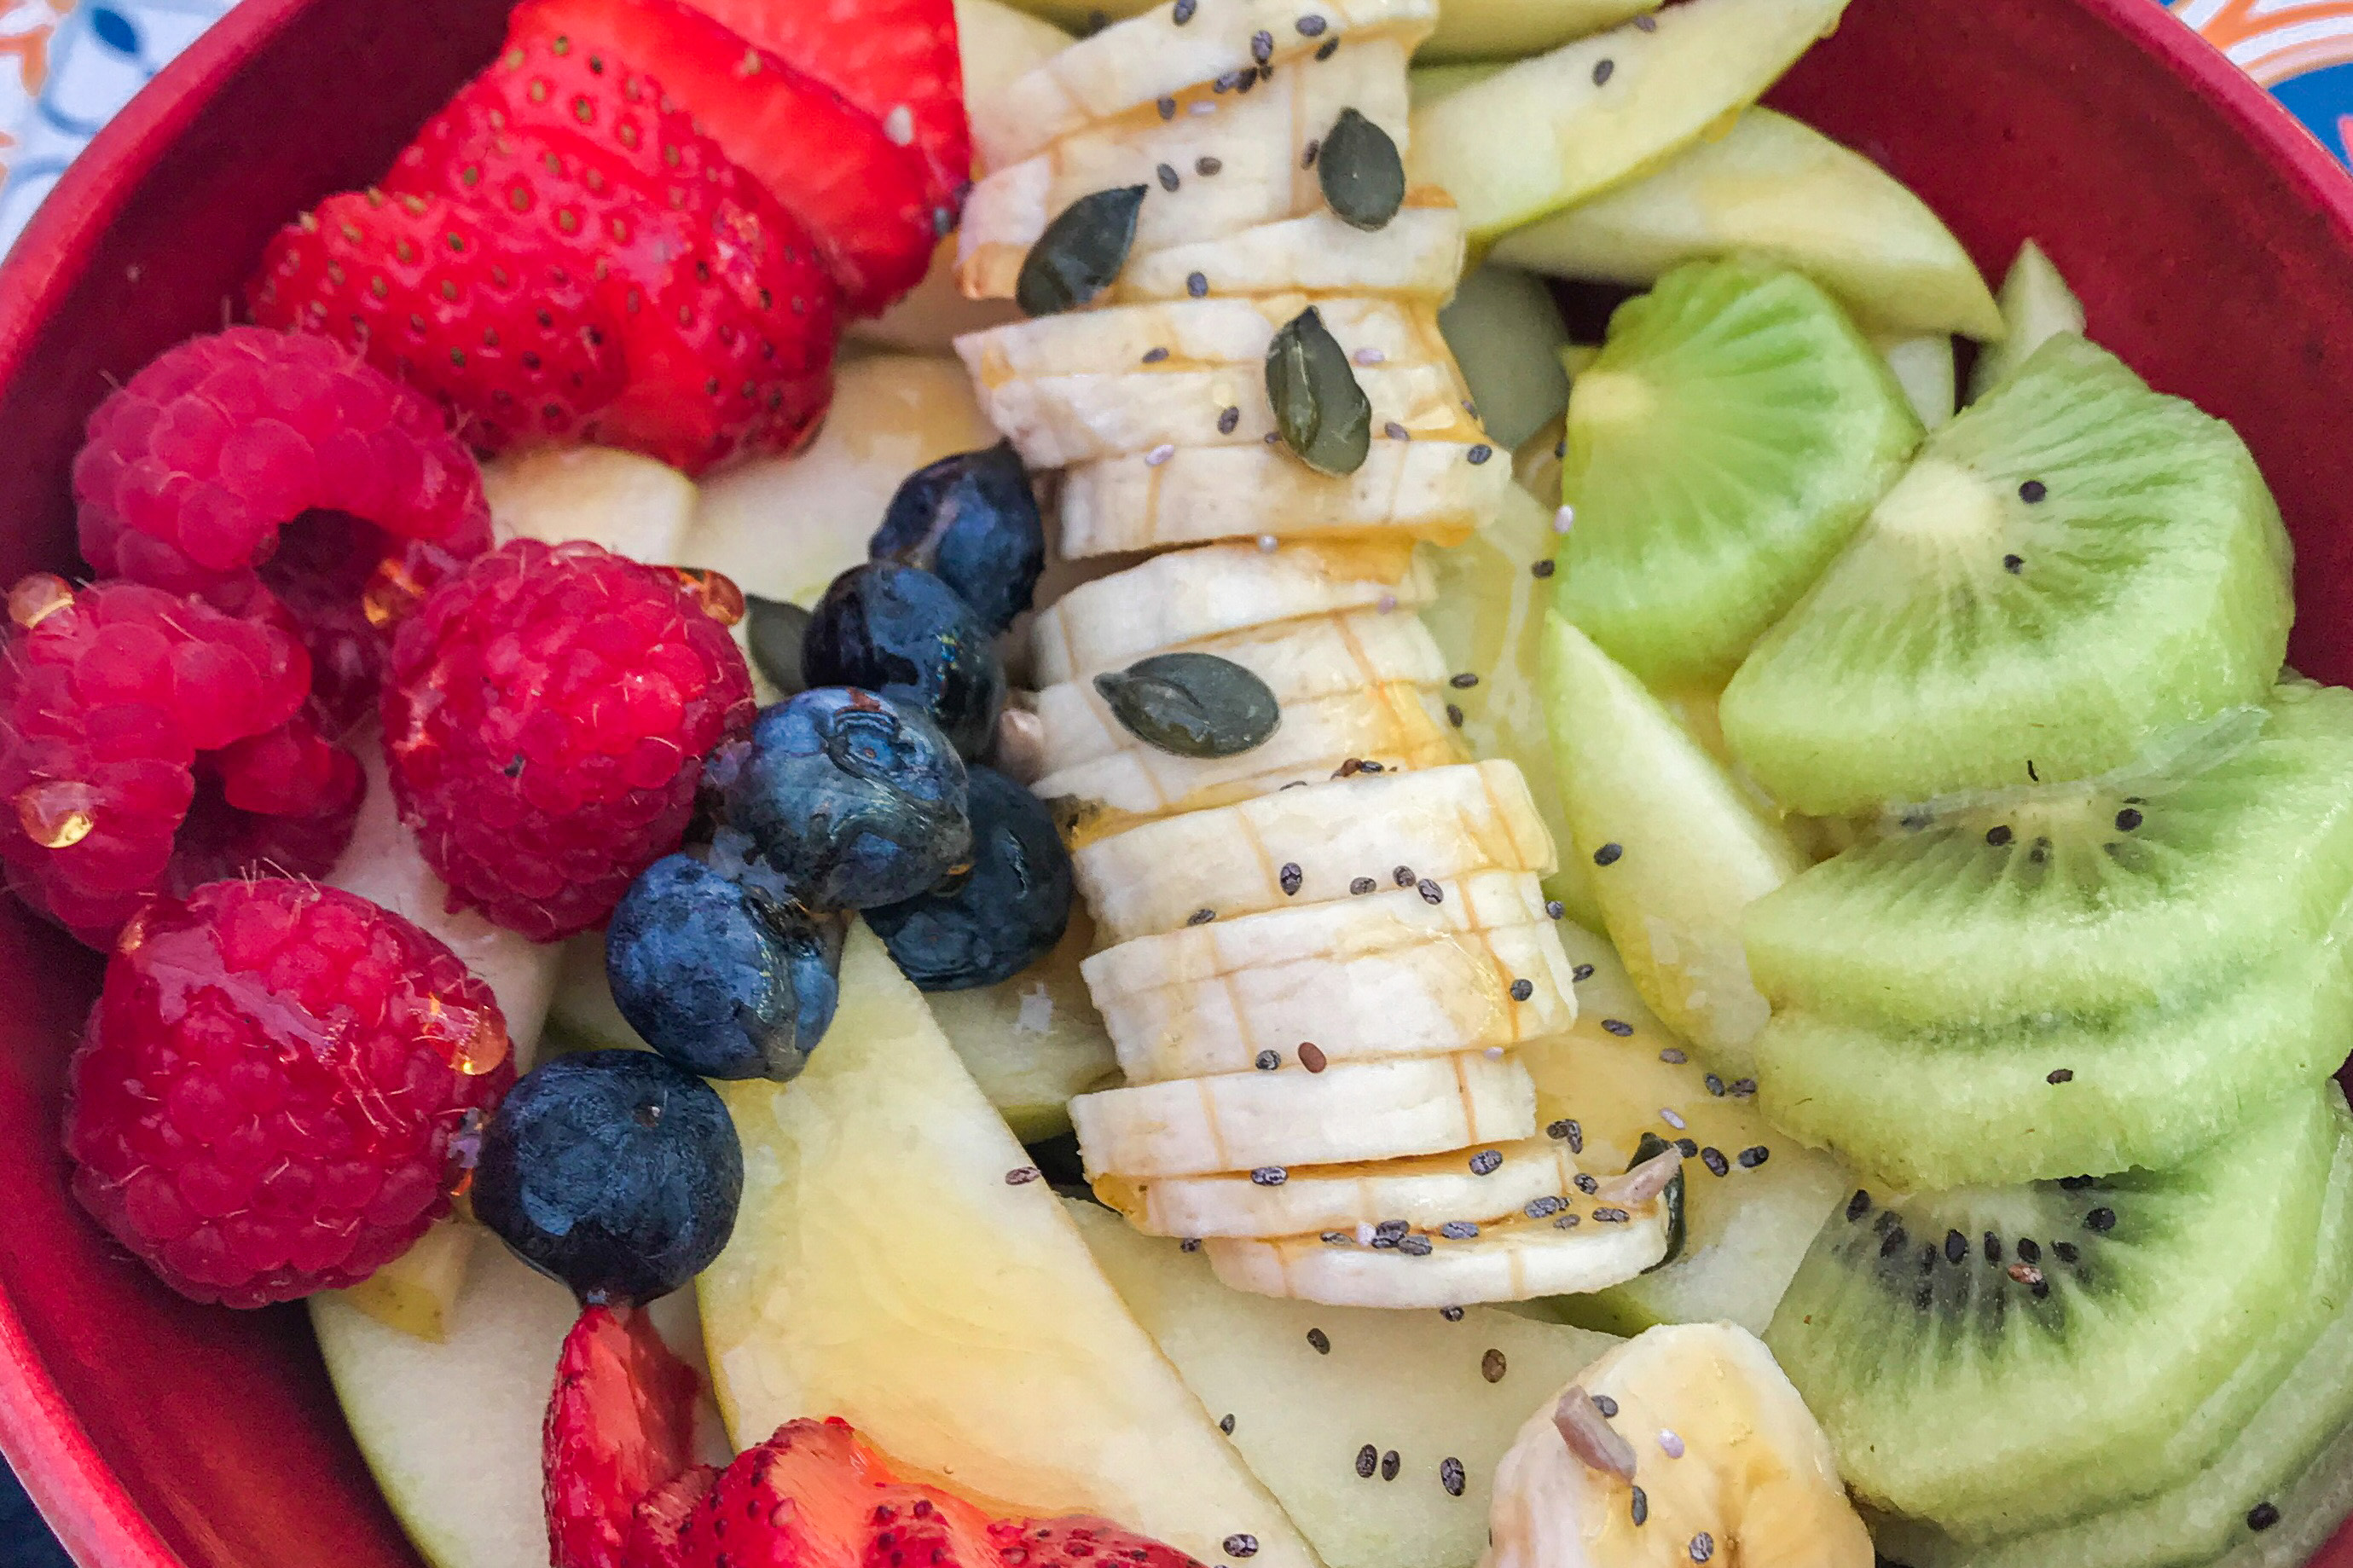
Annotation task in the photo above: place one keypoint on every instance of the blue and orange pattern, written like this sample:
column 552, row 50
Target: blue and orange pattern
column 2301, row 49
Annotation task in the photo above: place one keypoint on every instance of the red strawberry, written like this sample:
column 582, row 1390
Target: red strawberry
column 502, row 328
column 896, row 59
column 722, row 311
column 813, row 1495
column 654, row 1539
column 861, row 196
column 1080, row 1542
column 619, row 1425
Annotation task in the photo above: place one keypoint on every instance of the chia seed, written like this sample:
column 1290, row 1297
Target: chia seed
column 1713, row 1158
column 2060, row 1075
column 1307, row 154
column 1713, row 1084
column 1458, row 1230
column 1197, row 284
column 1462, row 682
column 1480, row 454
column 1022, row 1175
column 1601, row 75
column 1168, row 181
column 1402, row 876
column 1270, row 1176
column 1362, row 886
column 1583, row 972
column 1565, row 1222
column 1200, row 917
column 1608, row 854
column 1190, row 1244
column 1670, row 1445
column 1743, row 1088
column 1563, row 519
column 1555, row 910
column 1310, row 26
column 1331, row 47
column 1543, row 1208
column 1673, row 1056
column 1451, row 1476
column 1858, row 1206
column 1415, row 1247
column 1267, row 1061
column 1227, row 423
column 1185, row 9
column 1431, row 893
column 1607, row 1405
column 1311, row 1055
column 1703, row 1545
column 1206, row 166
column 1541, row 569
column 1641, row 1503
column 1159, row 455
column 1167, row 107
column 1369, row 357
column 1389, row 1232
column 1491, row 1366
column 1261, row 47
column 1338, row 1238
column 1226, row 1426
column 1247, row 1546
column 1566, row 1130
column 1752, row 1158
column 1154, row 356
column 1667, row 1115
column 1451, row 1314
column 1486, row 1162
column 1454, row 717
column 1647, row 24
column 1290, row 878
column 1618, row 1027
column 1609, row 1216
column 1522, row 989
column 1586, row 1183
column 1320, row 1341
column 1396, row 432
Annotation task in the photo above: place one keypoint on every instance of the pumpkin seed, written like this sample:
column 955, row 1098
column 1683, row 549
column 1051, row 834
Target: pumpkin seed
column 1363, row 177
column 1192, row 704
column 1081, row 252
column 1319, row 409
column 775, row 630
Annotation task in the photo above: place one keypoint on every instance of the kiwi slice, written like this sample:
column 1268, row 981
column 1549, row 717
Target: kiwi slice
column 1924, row 1109
column 2227, row 845
column 2068, row 569
column 1734, row 432
column 2236, row 1412
column 1963, row 1348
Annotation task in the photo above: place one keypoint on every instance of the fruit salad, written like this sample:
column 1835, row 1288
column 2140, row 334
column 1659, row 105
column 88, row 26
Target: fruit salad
column 891, row 787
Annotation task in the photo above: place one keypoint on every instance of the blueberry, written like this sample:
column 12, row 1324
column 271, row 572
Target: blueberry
column 996, row 920
column 973, row 520
column 614, row 1172
column 844, row 800
column 723, row 978
column 904, row 632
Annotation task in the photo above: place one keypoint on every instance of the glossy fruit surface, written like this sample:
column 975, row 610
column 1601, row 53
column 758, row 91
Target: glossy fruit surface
column 2208, row 235
column 993, row 921
column 905, row 634
column 971, row 519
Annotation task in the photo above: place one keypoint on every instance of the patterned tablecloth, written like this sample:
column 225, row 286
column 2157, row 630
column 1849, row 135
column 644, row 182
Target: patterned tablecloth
column 64, row 68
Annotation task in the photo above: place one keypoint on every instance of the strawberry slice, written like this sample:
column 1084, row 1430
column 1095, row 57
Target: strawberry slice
column 1079, row 1541
column 861, row 196
column 815, row 1497
column 896, row 59
column 501, row 327
column 719, row 304
column 620, row 1425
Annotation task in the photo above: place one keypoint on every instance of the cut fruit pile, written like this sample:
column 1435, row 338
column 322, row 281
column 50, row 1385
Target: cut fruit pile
column 1326, row 947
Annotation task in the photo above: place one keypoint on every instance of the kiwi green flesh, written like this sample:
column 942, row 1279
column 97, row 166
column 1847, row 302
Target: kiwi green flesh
column 1951, row 1388
column 2165, row 1460
column 1924, row 1110
column 2234, row 845
column 2067, row 570
column 2276, row 1454
column 1731, row 437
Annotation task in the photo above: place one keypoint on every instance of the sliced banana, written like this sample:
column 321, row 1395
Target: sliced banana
column 1265, row 1122
column 1385, row 976
column 1435, row 486
column 1301, row 661
column 1189, row 334
column 1725, row 1459
column 1444, row 824
column 1418, row 257
column 1424, row 1193
column 1168, row 50
column 1565, row 1253
column 1401, row 727
column 1238, row 165
column 1180, row 598
column 1056, row 421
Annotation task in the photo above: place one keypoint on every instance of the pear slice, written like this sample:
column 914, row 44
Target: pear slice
column 1781, row 191
column 1556, row 130
column 418, row 1292
column 1679, row 850
column 1926, row 370
column 1486, row 30
column 633, row 506
column 1312, row 1391
column 2036, row 306
column 896, row 1264
column 1035, row 1040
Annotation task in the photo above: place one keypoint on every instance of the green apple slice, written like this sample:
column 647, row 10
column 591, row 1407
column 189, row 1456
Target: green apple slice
column 1306, row 1387
column 1035, row 1040
column 1926, row 370
column 1556, row 130
column 2036, row 306
column 1507, row 29
column 1774, row 188
column 895, row 1264
column 1428, row 84
column 1678, row 847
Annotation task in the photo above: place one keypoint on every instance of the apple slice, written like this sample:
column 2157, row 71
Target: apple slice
column 1925, row 369
column 2036, row 306
column 418, row 1292
column 895, row 1263
column 1775, row 188
column 1507, row 29
column 1678, row 848
column 451, row 1429
column 1307, row 1387
column 1556, row 130
column 633, row 506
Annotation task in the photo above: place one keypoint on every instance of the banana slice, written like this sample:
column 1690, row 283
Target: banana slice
column 1301, row 661
column 1056, row 421
column 1711, row 1451
column 1189, row 334
column 1401, row 727
column 1419, row 256
column 1389, row 974
column 1265, row 1122
column 1438, row 485
column 1444, row 824
column 1425, row 1192
column 1169, row 50
column 1179, row 599
column 1567, row 1254
column 1235, row 153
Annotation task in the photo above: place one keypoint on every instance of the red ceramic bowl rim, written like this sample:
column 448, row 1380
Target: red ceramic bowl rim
column 84, row 1502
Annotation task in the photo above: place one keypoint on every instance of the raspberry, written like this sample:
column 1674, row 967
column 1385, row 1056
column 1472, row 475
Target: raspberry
column 191, row 468
column 546, row 717
column 619, row 1430
column 268, row 1096
column 150, row 742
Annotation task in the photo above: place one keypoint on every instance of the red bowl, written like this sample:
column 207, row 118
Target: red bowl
column 2212, row 240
